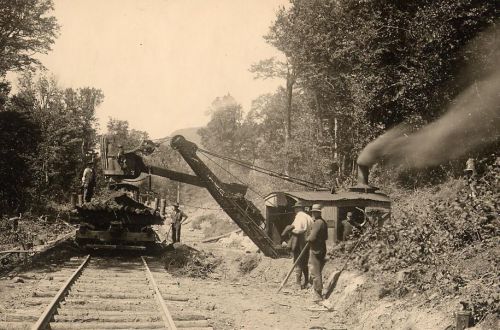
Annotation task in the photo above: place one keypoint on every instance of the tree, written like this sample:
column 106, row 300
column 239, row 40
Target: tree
column 304, row 157
column 122, row 134
column 67, row 122
column 272, row 68
column 222, row 133
column 26, row 28
column 373, row 64
column 19, row 138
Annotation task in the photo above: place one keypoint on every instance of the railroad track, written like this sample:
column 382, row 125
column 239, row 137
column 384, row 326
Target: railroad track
column 106, row 293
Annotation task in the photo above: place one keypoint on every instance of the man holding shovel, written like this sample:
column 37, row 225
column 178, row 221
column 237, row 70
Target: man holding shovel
column 317, row 242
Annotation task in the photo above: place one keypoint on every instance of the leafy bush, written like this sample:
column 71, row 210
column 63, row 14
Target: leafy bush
column 19, row 139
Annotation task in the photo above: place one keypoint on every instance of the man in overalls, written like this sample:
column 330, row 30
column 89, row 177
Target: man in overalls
column 178, row 217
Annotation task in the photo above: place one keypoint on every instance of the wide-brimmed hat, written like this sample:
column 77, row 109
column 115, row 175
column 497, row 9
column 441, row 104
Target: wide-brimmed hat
column 176, row 205
column 316, row 207
column 349, row 214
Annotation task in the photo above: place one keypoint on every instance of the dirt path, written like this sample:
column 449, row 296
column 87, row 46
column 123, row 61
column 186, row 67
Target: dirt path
column 234, row 299
column 237, row 301
column 249, row 301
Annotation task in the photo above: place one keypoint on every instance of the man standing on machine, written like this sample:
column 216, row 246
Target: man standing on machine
column 88, row 182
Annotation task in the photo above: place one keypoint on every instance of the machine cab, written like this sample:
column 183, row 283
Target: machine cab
column 280, row 213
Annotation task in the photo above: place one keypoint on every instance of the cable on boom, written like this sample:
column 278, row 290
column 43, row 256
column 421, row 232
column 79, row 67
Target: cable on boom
column 261, row 195
column 271, row 173
column 234, row 176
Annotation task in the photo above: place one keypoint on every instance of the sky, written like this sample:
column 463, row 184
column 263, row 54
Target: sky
column 161, row 63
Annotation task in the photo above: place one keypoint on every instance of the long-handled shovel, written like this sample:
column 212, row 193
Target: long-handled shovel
column 334, row 277
column 294, row 265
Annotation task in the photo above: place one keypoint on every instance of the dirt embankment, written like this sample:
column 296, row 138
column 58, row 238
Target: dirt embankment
column 440, row 248
column 240, row 292
column 437, row 255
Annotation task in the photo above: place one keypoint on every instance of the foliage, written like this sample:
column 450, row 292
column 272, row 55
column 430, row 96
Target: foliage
column 359, row 68
column 19, row 138
column 443, row 241
column 222, row 133
column 26, row 28
column 31, row 229
column 60, row 128
column 368, row 65
column 128, row 137
column 259, row 138
column 306, row 148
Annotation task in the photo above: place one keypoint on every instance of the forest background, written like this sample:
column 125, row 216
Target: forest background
column 352, row 71
column 424, row 75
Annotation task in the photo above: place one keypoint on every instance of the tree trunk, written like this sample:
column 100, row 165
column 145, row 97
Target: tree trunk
column 289, row 92
column 290, row 80
column 335, row 137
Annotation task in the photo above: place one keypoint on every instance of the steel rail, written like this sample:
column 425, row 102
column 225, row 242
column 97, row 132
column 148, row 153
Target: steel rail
column 167, row 317
column 48, row 313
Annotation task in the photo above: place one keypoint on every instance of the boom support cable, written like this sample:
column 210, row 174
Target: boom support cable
column 234, row 176
column 258, row 193
column 259, row 169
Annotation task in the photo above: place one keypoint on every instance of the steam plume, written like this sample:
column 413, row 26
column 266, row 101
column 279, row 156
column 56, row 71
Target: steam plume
column 472, row 121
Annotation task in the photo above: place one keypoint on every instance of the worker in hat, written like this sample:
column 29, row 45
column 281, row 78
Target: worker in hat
column 88, row 182
column 300, row 228
column 317, row 242
column 178, row 217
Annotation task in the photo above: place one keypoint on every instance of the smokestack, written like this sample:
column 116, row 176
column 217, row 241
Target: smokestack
column 363, row 186
column 363, row 173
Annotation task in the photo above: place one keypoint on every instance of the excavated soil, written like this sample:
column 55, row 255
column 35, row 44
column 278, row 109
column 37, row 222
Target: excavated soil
column 120, row 206
column 240, row 293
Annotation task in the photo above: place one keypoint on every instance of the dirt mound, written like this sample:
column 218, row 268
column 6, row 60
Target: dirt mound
column 117, row 201
column 271, row 270
column 249, row 262
column 119, row 205
column 239, row 241
column 183, row 260
column 213, row 224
